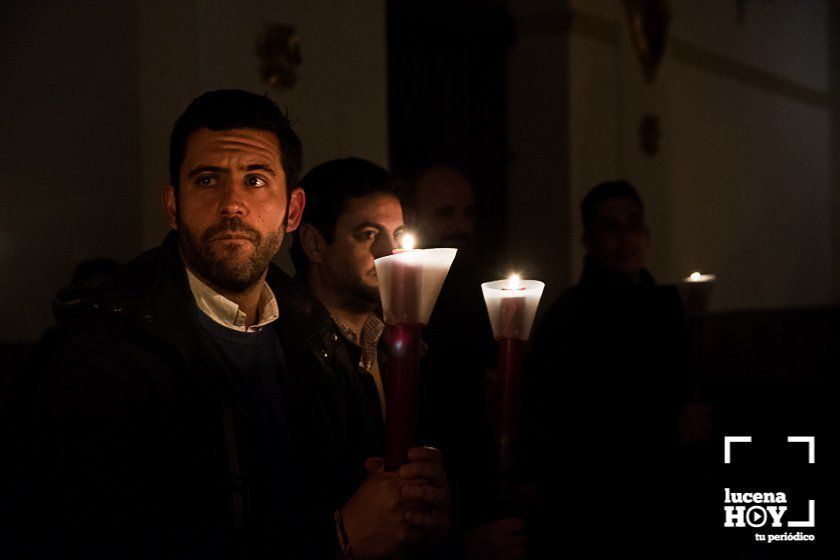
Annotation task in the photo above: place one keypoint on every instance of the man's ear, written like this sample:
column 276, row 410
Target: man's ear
column 312, row 242
column 170, row 205
column 297, row 202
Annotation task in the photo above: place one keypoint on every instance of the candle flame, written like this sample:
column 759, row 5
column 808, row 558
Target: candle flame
column 514, row 281
column 408, row 241
column 695, row 276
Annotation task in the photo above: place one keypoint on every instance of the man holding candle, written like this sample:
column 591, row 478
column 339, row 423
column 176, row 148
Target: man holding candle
column 354, row 216
column 176, row 417
column 609, row 377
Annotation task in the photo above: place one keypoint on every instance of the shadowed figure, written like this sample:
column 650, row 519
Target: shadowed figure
column 457, row 369
column 606, row 387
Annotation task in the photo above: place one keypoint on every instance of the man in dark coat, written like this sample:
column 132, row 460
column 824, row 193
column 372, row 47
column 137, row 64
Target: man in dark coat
column 608, row 378
column 189, row 413
column 353, row 216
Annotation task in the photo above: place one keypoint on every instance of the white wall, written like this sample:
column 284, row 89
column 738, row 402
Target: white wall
column 94, row 89
column 741, row 186
column 538, row 239
column 70, row 178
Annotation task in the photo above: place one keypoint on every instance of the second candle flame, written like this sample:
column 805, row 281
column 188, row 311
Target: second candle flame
column 408, row 242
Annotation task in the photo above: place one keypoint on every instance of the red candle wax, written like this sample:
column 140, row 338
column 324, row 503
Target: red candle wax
column 512, row 316
column 402, row 388
column 405, row 291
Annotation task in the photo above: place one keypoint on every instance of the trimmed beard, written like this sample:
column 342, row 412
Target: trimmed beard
column 221, row 268
column 354, row 293
column 365, row 293
column 360, row 296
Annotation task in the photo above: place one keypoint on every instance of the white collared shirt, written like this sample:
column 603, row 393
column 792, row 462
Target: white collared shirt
column 227, row 313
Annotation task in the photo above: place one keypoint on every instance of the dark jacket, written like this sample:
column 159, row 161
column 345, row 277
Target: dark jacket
column 608, row 375
column 147, row 447
column 453, row 403
column 342, row 407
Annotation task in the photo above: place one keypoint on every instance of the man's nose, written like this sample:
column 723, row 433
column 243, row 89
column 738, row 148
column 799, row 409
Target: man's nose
column 627, row 232
column 232, row 201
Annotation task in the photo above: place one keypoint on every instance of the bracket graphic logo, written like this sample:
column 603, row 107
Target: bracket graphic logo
column 766, row 509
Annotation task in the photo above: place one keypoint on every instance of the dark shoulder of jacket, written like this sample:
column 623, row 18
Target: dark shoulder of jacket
column 565, row 308
column 116, row 346
column 127, row 304
column 669, row 295
column 310, row 338
column 301, row 316
column 124, row 292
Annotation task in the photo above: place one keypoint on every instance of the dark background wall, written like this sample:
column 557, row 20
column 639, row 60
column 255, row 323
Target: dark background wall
column 70, row 113
column 447, row 98
column 542, row 99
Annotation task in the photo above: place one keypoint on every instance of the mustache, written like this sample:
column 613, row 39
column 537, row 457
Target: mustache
column 231, row 225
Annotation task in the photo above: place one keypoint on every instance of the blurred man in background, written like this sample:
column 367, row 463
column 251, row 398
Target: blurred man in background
column 459, row 368
column 608, row 380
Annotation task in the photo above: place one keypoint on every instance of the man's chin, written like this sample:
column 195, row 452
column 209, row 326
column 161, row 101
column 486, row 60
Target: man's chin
column 234, row 280
column 234, row 272
column 228, row 264
column 630, row 269
column 370, row 293
column 232, row 255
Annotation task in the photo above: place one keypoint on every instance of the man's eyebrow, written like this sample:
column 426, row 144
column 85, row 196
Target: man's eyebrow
column 216, row 169
column 205, row 169
column 261, row 167
column 373, row 225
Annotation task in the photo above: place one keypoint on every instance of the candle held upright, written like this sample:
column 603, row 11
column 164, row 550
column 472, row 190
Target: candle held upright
column 696, row 291
column 511, row 305
column 410, row 281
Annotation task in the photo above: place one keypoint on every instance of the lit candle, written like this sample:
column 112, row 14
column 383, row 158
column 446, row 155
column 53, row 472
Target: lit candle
column 697, row 277
column 406, row 282
column 696, row 292
column 512, row 306
column 407, row 243
column 409, row 283
column 512, row 309
column 410, row 280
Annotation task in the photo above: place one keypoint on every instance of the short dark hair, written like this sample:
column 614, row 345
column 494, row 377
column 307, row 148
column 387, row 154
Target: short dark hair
column 411, row 177
column 602, row 192
column 228, row 109
column 328, row 189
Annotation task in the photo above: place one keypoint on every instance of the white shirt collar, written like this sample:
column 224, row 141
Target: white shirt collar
column 227, row 313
